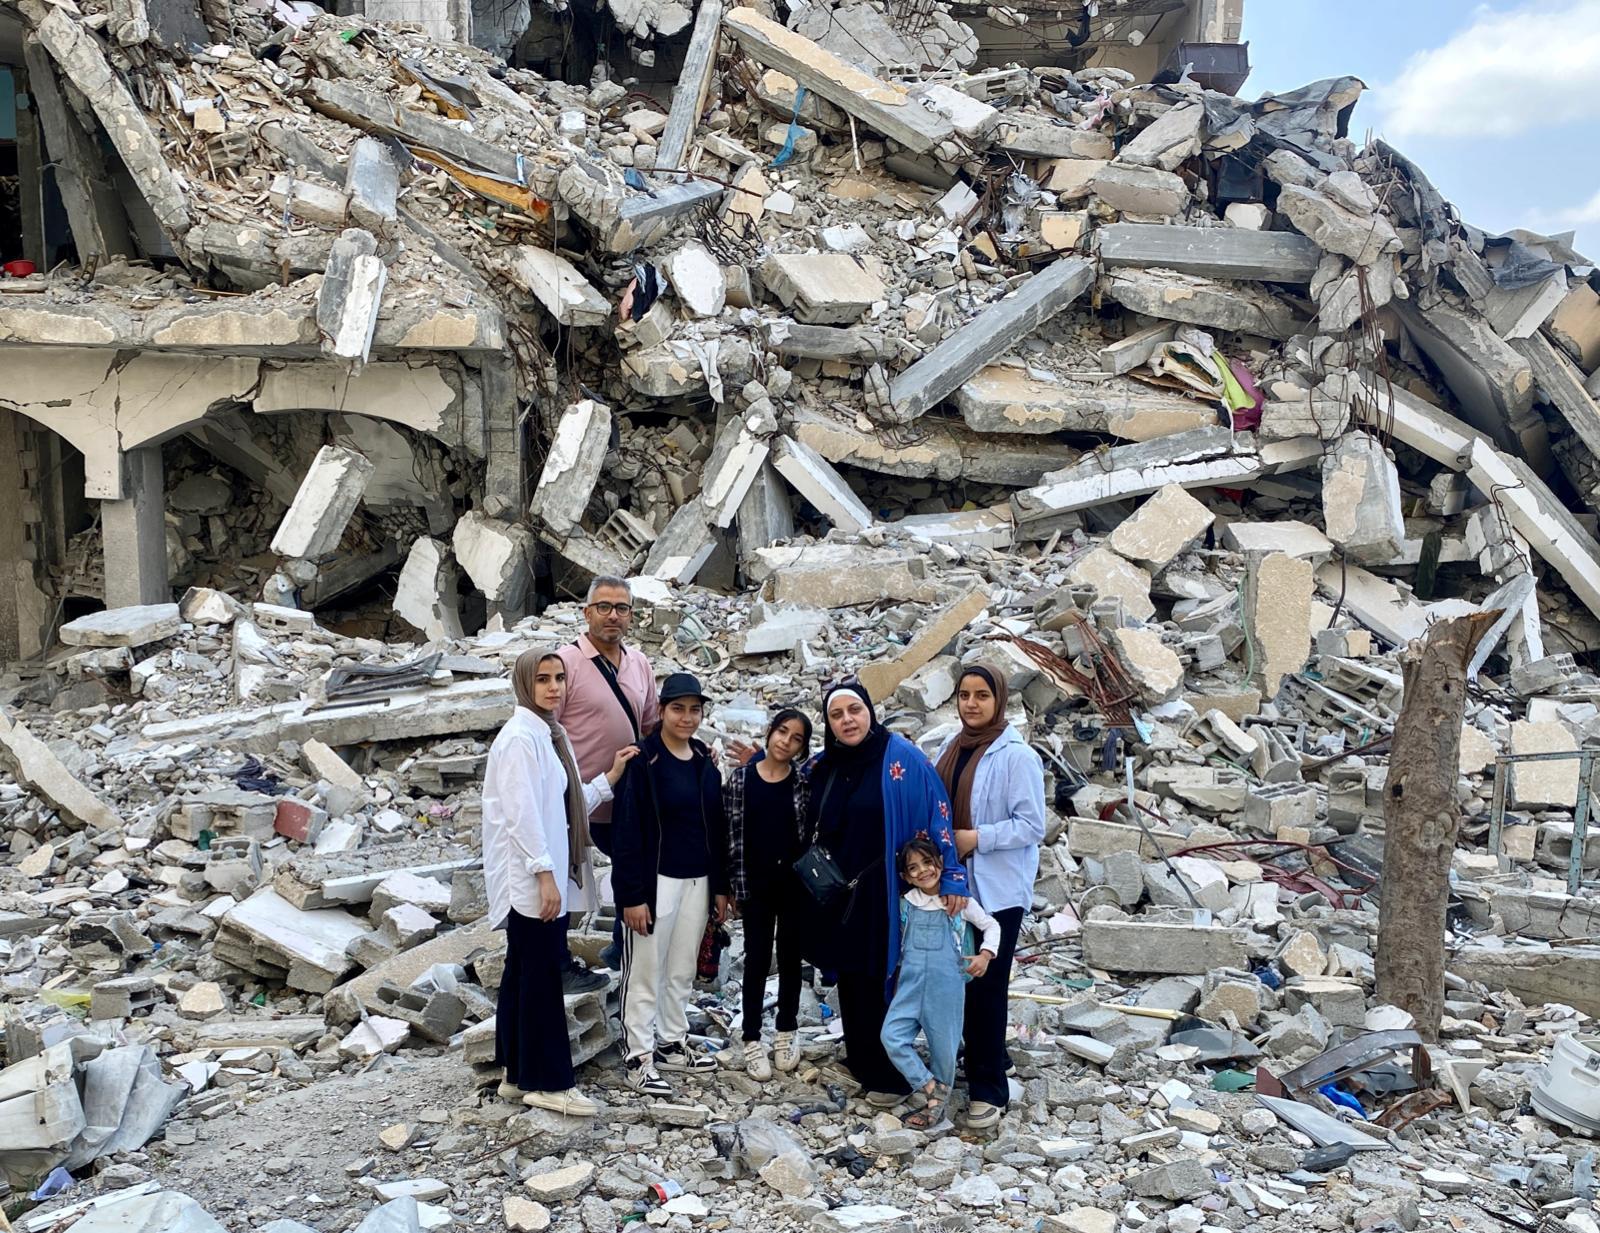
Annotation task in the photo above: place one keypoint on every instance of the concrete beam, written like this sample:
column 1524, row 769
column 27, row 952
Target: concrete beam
column 694, row 82
column 371, row 112
column 133, row 534
column 555, row 282
column 572, row 466
column 813, row 477
column 998, row 328
column 99, row 224
column 882, row 106
column 1198, row 459
column 85, row 65
column 1214, row 252
column 1562, row 383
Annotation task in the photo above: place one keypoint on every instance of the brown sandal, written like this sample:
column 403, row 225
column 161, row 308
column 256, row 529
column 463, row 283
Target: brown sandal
column 932, row 1113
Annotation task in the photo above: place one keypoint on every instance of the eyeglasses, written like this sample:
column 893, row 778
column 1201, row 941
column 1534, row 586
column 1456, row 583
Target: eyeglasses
column 606, row 608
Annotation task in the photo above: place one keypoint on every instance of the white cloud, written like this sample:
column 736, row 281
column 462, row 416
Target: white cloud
column 1507, row 72
column 1585, row 215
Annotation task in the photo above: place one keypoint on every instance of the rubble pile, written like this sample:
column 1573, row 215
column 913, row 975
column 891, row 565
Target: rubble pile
column 1186, row 414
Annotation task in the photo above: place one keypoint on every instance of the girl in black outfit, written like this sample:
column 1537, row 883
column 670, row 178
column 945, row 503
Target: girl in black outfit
column 765, row 801
column 669, row 872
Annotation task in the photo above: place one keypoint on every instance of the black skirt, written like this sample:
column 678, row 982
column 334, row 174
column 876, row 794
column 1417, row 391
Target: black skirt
column 530, row 1026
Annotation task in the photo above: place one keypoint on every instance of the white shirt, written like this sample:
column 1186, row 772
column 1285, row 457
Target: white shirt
column 973, row 914
column 525, row 817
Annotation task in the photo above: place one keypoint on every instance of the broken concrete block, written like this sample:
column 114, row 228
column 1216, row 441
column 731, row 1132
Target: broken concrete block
column 1201, row 301
column 374, row 1035
column 29, row 761
column 815, row 479
column 882, row 677
column 697, row 280
column 1363, row 236
column 1154, row 667
column 1140, row 190
column 205, row 606
column 1361, row 500
column 1277, row 613
column 1160, row 947
column 1006, row 399
column 573, row 465
column 1115, row 577
column 372, row 184
column 315, row 203
column 325, row 764
column 134, row 626
column 496, row 555
column 1293, row 539
column 556, row 283
column 1543, row 785
column 350, row 296
column 775, row 629
column 843, row 575
column 324, row 503
column 1169, row 523
column 425, row 593
column 1170, row 141
column 1071, row 179
column 822, row 288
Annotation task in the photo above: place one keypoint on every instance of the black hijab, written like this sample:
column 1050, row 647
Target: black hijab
column 851, row 757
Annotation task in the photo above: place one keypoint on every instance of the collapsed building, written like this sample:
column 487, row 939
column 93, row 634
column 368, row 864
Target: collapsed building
column 867, row 339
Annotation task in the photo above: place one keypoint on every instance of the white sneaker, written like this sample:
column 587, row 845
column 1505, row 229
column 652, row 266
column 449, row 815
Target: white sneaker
column 509, row 1091
column 756, row 1064
column 570, row 1103
column 786, row 1051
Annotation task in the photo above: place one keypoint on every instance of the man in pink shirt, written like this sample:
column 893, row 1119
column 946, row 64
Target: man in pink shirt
column 610, row 704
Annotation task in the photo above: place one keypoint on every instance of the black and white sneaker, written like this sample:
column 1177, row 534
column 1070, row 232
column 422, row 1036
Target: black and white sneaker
column 677, row 1057
column 645, row 1079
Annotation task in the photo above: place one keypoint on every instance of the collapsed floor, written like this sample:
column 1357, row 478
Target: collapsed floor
column 1184, row 413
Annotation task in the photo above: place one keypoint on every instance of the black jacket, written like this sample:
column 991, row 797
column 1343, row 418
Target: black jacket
column 637, row 826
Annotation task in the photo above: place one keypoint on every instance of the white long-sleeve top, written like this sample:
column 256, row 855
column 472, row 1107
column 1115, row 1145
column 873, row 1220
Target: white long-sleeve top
column 988, row 928
column 525, row 817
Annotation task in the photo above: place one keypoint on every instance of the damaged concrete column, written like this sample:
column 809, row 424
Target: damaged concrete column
column 134, row 534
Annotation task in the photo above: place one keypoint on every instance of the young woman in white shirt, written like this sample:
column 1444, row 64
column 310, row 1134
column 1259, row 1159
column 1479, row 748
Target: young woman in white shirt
column 536, row 862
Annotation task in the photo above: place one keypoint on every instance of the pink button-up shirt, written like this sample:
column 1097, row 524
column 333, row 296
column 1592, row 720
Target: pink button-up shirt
column 591, row 714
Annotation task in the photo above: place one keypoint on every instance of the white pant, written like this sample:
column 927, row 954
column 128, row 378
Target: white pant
column 658, row 968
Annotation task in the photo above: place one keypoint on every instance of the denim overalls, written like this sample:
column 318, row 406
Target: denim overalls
column 929, row 994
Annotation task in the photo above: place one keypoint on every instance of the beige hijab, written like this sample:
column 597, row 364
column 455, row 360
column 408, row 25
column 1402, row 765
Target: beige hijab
column 578, row 841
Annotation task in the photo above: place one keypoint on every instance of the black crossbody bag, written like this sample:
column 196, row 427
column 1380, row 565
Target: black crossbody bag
column 820, row 874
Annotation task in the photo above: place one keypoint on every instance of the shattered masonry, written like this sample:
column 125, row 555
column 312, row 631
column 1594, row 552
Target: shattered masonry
column 865, row 342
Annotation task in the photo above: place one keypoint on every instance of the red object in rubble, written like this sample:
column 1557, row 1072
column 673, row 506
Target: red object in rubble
column 19, row 269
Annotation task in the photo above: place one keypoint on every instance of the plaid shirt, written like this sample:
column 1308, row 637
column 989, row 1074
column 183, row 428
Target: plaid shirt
column 733, row 806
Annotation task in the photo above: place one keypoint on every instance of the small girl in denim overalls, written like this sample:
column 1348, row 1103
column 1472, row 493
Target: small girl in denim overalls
column 929, row 989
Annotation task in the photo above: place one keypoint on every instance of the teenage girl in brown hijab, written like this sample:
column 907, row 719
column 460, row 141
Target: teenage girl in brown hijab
column 996, row 787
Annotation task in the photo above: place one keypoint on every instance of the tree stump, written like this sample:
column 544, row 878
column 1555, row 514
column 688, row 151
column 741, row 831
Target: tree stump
column 1421, row 818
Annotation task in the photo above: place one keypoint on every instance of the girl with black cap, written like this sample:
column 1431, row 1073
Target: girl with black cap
column 669, row 865
column 765, row 802
column 996, row 786
column 535, row 850
column 872, row 791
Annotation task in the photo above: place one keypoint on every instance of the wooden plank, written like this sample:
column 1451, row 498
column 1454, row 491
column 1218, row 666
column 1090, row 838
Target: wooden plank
column 689, row 95
column 882, row 106
column 988, row 336
column 99, row 227
column 1215, row 252
column 84, row 64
